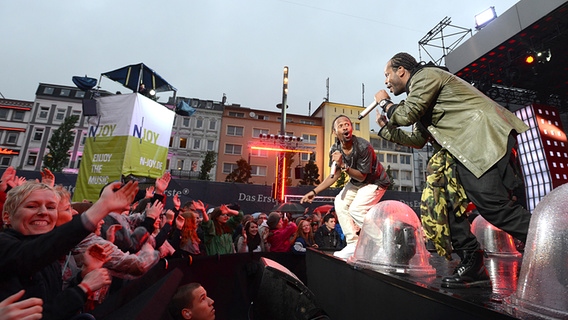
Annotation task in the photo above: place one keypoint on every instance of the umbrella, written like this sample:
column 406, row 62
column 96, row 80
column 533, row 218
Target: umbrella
column 323, row 209
column 290, row 207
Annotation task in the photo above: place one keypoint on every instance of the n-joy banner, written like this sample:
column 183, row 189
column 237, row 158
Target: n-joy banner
column 129, row 136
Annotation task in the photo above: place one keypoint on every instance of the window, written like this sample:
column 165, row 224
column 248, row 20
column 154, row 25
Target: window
column 183, row 143
column 235, row 131
column 18, row 115
column 310, row 122
column 64, row 92
column 185, row 122
column 212, row 124
column 310, row 138
column 5, row 161
column 257, row 132
column 79, row 162
column 381, row 157
column 308, row 156
column 171, row 141
column 405, row 175
column 236, row 114
column 180, row 163
column 209, row 105
column 259, row 153
column 199, row 123
column 78, row 114
column 38, row 134
column 394, row 174
column 261, row 117
column 258, row 171
column 60, row 115
column 43, row 112
column 233, row 149
column 12, row 138
column 3, row 114
column 406, row 189
column 229, row 167
column 79, row 94
column 48, row 90
column 404, row 159
column 392, row 158
column 197, row 144
column 32, row 158
column 210, row 145
column 357, row 126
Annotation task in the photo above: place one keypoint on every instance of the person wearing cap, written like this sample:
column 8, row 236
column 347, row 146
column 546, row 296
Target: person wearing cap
column 280, row 232
column 368, row 181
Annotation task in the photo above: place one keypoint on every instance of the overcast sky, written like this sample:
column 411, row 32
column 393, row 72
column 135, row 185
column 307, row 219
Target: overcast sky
column 236, row 47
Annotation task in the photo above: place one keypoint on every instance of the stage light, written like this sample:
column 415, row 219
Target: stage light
column 484, row 18
column 529, row 59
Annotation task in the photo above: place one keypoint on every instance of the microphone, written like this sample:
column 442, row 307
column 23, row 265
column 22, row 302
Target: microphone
column 369, row 108
column 333, row 168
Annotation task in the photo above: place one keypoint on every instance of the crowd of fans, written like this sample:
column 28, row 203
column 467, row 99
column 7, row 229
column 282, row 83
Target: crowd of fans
column 60, row 260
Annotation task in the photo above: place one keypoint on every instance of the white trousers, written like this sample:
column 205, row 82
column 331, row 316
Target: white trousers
column 351, row 205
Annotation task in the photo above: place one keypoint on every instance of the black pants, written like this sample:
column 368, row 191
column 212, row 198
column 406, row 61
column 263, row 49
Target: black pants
column 490, row 193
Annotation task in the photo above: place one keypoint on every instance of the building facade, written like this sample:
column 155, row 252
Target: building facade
column 14, row 118
column 192, row 137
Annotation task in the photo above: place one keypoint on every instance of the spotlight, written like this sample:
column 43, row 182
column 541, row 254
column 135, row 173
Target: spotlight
column 529, row 59
column 484, row 18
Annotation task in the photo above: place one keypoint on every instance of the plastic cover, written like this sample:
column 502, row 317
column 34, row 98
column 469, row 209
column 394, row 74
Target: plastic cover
column 542, row 290
column 392, row 241
column 492, row 239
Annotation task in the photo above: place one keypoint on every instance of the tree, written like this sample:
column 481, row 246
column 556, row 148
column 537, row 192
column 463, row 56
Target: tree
column 59, row 144
column 391, row 179
column 207, row 165
column 241, row 174
column 311, row 174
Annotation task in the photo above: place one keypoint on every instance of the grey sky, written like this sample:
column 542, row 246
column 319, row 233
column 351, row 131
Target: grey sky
column 210, row 47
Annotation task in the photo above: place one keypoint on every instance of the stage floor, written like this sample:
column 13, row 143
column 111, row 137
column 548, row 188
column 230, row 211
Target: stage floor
column 365, row 294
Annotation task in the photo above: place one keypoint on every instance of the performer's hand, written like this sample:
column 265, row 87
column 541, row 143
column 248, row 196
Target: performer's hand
column 381, row 95
column 308, row 197
column 381, row 119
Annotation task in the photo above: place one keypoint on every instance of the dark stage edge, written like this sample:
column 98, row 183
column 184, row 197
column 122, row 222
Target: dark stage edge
column 346, row 292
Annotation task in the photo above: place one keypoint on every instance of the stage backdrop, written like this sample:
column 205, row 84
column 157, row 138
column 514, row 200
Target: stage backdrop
column 129, row 136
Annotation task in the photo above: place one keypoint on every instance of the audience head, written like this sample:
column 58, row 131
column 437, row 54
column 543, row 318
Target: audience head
column 31, row 208
column 329, row 221
column 261, row 218
column 274, row 220
column 191, row 302
column 251, row 228
column 65, row 211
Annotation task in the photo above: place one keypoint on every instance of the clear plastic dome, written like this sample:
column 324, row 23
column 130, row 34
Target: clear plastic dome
column 542, row 290
column 391, row 241
column 492, row 239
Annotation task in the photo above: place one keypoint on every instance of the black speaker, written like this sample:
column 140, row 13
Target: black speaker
column 282, row 296
column 89, row 107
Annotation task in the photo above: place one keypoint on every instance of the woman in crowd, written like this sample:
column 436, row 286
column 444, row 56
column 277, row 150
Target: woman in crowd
column 303, row 238
column 218, row 230
column 185, row 237
column 250, row 240
column 31, row 245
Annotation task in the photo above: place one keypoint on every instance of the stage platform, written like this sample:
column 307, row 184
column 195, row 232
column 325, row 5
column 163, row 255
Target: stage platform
column 346, row 292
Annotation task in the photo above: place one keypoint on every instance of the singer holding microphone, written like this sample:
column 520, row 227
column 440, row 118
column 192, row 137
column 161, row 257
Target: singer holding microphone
column 366, row 186
column 473, row 138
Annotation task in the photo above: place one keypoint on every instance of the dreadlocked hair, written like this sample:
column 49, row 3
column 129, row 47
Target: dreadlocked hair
column 403, row 59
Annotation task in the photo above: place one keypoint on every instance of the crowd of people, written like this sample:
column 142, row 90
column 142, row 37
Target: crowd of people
column 61, row 259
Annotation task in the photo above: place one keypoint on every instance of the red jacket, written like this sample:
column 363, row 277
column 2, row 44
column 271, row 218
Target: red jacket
column 279, row 239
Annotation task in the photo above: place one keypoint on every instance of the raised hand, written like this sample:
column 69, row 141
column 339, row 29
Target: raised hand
column 28, row 309
column 47, row 177
column 163, row 182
